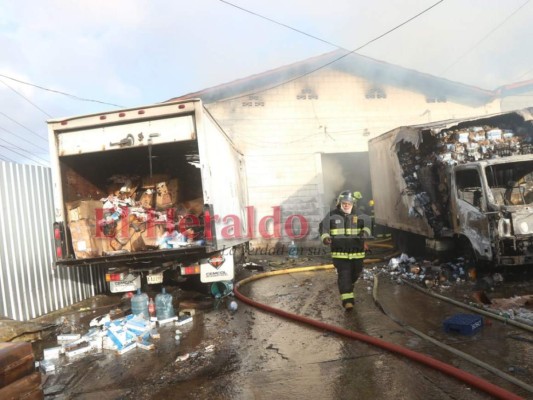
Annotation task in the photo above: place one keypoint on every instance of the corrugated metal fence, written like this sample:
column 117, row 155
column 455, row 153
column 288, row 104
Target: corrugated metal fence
column 29, row 286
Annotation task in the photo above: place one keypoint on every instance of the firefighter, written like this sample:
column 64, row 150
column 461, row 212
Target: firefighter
column 344, row 232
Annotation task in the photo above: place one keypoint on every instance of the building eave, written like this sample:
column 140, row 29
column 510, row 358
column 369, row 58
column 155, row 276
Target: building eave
column 375, row 71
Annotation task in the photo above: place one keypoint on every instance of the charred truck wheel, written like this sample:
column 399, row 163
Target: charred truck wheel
column 408, row 243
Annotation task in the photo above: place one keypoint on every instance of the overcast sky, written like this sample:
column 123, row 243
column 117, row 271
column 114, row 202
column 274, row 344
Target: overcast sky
column 131, row 53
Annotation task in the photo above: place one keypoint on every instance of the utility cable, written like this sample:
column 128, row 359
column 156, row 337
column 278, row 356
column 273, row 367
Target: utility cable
column 6, row 158
column 22, row 155
column 282, row 24
column 524, row 74
column 348, row 52
column 23, row 126
column 483, row 38
column 28, row 100
column 23, row 138
column 20, row 148
column 59, row 92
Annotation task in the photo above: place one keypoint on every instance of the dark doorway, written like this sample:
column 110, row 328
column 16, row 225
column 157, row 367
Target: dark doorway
column 345, row 171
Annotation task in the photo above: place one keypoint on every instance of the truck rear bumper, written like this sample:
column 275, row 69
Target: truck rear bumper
column 153, row 255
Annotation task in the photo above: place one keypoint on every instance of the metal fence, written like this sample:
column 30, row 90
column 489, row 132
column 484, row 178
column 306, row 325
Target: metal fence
column 29, row 285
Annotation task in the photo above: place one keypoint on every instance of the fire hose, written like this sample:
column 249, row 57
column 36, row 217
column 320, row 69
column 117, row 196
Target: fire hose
column 445, row 368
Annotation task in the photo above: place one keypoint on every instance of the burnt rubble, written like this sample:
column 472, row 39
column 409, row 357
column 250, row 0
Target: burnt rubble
column 455, row 276
column 438, row 150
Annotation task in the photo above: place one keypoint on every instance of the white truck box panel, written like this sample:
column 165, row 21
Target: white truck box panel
column 141, row 133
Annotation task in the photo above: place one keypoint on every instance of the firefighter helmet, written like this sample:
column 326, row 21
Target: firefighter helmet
column 345, row 195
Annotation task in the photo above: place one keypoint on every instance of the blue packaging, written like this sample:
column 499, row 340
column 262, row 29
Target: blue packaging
column 464, row 324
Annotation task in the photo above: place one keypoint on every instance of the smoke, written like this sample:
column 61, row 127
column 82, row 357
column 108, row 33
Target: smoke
column 346, row 171
column 334, row 179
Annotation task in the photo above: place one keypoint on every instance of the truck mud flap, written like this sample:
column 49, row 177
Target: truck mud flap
column 217, row 267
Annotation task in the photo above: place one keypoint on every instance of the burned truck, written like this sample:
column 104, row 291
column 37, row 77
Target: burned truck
column 148, row 192
column 463, row 185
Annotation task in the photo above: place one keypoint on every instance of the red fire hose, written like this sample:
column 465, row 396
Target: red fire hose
column 450, row 370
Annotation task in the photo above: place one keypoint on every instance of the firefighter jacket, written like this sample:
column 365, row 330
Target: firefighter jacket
column 346, row 232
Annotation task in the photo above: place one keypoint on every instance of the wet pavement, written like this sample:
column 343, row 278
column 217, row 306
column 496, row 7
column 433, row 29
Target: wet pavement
column 251, row 354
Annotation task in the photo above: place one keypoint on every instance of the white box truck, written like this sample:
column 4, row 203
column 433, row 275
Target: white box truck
column 465, row 184
column 148, row 192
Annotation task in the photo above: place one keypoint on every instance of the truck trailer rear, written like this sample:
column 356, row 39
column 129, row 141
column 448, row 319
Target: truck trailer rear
column 144, row 192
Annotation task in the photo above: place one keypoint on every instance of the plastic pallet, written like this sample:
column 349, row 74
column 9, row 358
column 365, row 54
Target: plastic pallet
column 464, row 324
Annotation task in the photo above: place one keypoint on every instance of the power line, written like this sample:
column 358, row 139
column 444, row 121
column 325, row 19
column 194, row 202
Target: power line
column 6, row 158
column 59, row 92
column 28, row 100
column 331, row 62
column 483, row 38
column 21, row 149
column 527, row 73
column 281, row 24
column 22, row 155
column 23, row 138
column 25, row 127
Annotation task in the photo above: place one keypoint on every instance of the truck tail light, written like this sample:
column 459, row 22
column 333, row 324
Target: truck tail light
column 59, row 239
column 114, row 277
column 208, row 232
column 209, row 225
column 190, row 270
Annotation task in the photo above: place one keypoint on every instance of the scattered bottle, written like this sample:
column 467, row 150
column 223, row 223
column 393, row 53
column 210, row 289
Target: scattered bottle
column 233, row 306
column 139, row 304
column 163, row 305
column 293, row 250
column 151, row 307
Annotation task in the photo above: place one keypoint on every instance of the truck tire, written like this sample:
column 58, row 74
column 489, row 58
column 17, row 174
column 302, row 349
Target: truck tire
column 468, row 253
column 408, row 243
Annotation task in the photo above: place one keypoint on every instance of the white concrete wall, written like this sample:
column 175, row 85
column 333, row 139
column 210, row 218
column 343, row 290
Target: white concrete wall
column 282, row 136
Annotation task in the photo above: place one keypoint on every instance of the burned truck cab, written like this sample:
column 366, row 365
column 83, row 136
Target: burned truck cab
column 492, row 202
column 462, row 184
column 510, row 196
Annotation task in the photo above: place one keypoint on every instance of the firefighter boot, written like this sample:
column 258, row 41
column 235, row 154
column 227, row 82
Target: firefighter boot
column 348, row 305
column 347, row 301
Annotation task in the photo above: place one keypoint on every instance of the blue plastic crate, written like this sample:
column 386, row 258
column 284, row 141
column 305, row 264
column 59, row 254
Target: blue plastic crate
column 464, row 324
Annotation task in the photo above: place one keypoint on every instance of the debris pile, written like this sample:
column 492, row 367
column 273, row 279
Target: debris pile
column 137, row 215
column 430, row 274
column 439, row 149
column 119, row 335
column 443, row 275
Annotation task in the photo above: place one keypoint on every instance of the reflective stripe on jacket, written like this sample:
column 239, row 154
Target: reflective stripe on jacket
column 346, row 233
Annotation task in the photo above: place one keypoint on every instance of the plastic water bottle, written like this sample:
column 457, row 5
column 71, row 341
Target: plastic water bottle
column 139, row 304
column 293, row 250
column 151, row 307
column 163, row 306
column 233, row 306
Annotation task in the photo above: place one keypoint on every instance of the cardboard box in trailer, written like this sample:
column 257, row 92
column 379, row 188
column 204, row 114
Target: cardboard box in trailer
column 463, row 183
column 145, row 190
